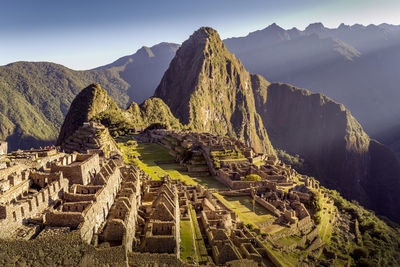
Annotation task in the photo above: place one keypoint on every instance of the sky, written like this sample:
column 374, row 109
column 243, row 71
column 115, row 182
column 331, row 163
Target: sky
column 84, row 34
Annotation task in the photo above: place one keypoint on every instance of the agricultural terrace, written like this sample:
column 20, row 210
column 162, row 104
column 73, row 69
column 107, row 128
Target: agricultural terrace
column 156, row 161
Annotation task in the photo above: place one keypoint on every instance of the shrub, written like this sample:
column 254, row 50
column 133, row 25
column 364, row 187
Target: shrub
column 131, row 143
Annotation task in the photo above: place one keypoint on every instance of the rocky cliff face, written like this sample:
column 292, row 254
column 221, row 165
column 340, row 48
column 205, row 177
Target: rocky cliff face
column 208, row 89
column 331, row 140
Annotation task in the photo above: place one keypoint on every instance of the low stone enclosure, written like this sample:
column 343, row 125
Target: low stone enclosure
column 33, row 154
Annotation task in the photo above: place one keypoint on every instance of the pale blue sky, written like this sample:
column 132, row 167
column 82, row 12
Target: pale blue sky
column 85, row 34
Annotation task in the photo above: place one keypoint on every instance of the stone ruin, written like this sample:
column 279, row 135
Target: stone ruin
column 227, row 159
column 91, row 137
column 111, row 205
column 3, row 148
column 231, row 162
column 160, row 207
column 25, row 194
column 33, row 154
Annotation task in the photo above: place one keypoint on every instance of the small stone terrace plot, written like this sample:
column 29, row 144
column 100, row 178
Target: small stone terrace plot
column 243, row 207
column 157, row 162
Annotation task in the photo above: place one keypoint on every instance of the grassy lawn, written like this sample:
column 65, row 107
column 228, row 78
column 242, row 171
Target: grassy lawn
column 200, row 246
column 325, row 227
column 151, row 153
column 288, row 240
column 187, row 247
column 238, row 159
column 243, row 207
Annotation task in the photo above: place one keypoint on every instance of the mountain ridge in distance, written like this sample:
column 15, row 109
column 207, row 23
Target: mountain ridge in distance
column 147, row 61
column 344, row 63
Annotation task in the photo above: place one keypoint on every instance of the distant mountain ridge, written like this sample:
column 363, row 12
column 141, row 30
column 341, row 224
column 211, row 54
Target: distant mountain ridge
column 144, row 69
column 356, row 65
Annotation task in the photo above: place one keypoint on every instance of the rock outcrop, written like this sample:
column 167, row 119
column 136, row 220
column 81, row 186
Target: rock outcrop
column 94, row 104
column 208, row 89
column 87, row 104
column 332, row 142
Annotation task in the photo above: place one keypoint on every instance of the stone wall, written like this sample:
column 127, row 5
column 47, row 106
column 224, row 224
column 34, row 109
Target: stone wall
column 14, row 187
column 267, row 206
column 42, row 179
column 14, row 214
column 80, row 171
column 159, row 259
column 98, row 211
column 121, row 222
column 90, row 204
column 3, row 148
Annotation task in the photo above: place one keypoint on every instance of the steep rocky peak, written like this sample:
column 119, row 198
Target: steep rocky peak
column 203, row 34
column 208, row 89
column 315, row 27
column 87, row 104
column 274, row 27
column 204, row 40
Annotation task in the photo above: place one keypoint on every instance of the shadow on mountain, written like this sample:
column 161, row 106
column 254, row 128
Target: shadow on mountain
column 19, row 141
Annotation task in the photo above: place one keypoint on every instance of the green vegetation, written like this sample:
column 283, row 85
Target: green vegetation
column 151, row 153
column 187, row 246
column 243, row 207
column 201, row 250
column 35, row 97
column 380, row 242
column 153, row 111
column 295, row 161
column 252, row 177
column 315, row 205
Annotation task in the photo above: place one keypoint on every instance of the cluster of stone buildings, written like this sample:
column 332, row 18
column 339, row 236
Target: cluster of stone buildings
column 228, row 159
column 219, row 237
column 111, row 204
column 232, row 163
